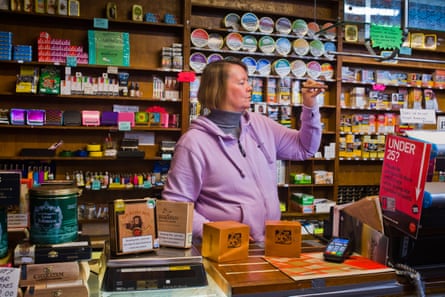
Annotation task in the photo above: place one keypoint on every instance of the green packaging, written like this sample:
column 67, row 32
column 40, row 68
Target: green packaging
column 109, row 48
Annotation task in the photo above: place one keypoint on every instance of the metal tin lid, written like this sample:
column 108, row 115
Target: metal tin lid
column 283, row 46
column 266, row 44
column 199, row 37
column 232, row 20
column 313, row 69
column 53, row 191
column 313, row 28
column 198, row 61
column 263, row 67
column 216, row 41
column 249, row 43
column 298, row 68
column 330, row 31
column 250, row 22
column 316, row 48
column 234, row 41
column 250, row 63
column 327, row 71
column 301, row 46
column 299, row 27
column 283, row 25
column 329, row 46
column 266, row 25
column 214, row 57
column 281, row 67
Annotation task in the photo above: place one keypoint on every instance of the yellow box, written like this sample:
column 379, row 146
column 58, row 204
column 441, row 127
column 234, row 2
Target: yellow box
column 225, row 241
column 175, row 223
column 283, row 239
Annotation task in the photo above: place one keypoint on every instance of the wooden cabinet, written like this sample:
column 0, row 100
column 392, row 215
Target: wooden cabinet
column 146, row 40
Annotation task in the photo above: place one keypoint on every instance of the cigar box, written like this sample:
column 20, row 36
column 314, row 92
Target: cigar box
column 74, row 288
column 225, row 241
column 133, row 226
column 31, row 274
column 27, row 253
column 175, row 223
column 283, row 239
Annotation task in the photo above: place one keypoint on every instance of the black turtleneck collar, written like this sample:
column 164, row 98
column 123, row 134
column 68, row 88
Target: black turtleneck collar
column 228, row 121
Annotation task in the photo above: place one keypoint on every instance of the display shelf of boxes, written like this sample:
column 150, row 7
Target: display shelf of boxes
column 371, row 98
column 64, row 71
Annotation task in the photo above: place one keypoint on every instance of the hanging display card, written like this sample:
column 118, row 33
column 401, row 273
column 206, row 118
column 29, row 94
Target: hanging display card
column 404, row 172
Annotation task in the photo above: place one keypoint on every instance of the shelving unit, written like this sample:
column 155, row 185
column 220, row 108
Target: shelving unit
column 354, row 175
column 362, row 174
column 146, row 43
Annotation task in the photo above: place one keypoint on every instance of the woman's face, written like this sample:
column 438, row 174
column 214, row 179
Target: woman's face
column 239, row 90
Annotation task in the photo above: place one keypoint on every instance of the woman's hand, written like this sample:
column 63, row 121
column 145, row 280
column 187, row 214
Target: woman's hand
column 310, row 90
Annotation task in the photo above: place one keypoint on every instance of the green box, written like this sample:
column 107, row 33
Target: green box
column 300, row 178
column 302, row 198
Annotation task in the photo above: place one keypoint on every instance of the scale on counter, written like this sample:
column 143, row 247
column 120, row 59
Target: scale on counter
column 164, row 268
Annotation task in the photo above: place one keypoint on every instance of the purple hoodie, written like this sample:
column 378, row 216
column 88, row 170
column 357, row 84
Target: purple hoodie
column 209, row 169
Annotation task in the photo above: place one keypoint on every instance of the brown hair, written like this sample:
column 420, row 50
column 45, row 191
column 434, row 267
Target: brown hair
column 213, row 86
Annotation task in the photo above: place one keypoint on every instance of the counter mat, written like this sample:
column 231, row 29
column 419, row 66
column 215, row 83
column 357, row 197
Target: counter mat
column 312, row 265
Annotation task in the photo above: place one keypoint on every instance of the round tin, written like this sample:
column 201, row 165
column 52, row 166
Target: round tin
column 216, row 41
column 263, row 67
column 316, row 47
column 281, row 67
column 298, row 68
column 283, row 46
column 313, row 28
column 313, row 69
column 198, row 61
column 214, row 57
column 199, row 37
column 249, row 43
column 234, row 41
column 266, row 25
column 53, row 211
column 3, row 232
column 266, row 44
column 327, row 71
column 232, row 20
column 283, row 25
column 250, row 22
column 329, row 46
column 250, row 63
column 299, row 28
column 330, row 33
column 301, row 46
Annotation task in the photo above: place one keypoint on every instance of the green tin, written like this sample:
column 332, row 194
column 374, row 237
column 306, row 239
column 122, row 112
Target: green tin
column 3, row 232
column 53, row 211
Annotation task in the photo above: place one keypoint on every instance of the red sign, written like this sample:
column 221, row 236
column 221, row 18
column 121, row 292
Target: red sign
column 402, row 182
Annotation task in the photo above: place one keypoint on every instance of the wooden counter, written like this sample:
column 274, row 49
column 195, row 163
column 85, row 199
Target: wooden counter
column 257, row 277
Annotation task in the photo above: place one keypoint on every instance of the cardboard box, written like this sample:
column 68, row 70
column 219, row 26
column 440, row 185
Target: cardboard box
column 175, row 223
column 283, row 239
column 225, row 241
column 133, row 226
column 76, row 288
column 30, row 274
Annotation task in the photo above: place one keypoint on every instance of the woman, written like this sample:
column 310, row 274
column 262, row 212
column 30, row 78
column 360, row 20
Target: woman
column 226, row 162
